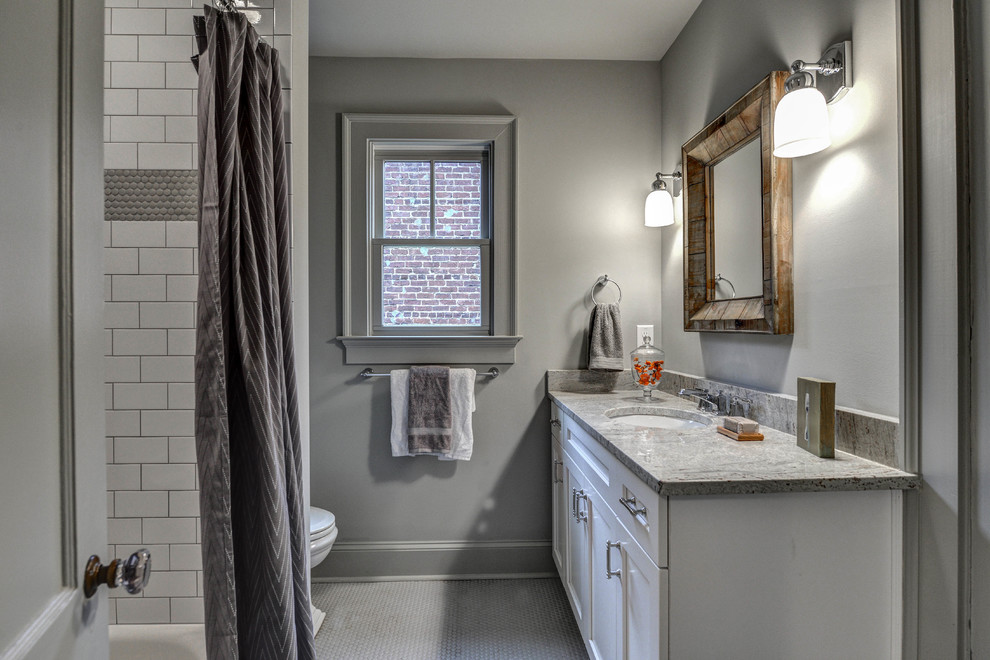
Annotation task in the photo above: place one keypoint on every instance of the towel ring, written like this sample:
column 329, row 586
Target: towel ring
column 719, row 278
column 602, row 281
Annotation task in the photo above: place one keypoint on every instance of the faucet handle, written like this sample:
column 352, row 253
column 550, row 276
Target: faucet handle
column 722, row 400
column 743, row 404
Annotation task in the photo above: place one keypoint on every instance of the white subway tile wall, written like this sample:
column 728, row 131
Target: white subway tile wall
column 152, row 85
column 151, row 472
column 150, row 302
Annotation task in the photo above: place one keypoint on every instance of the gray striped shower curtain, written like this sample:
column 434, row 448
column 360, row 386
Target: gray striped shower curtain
column 255, row 544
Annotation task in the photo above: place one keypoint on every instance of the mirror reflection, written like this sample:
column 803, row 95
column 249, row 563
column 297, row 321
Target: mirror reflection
column 738, row 220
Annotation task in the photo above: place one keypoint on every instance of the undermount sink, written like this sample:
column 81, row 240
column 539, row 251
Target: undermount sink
column 659, row 418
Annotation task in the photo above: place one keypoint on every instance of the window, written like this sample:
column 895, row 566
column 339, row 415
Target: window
column 431, row 245
column 429, row 239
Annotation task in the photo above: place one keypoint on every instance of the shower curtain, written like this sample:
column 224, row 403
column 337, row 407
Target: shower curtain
column 255, row 545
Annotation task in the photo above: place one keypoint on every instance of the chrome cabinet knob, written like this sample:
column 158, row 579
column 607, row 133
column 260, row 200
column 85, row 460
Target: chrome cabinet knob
column 133, row 573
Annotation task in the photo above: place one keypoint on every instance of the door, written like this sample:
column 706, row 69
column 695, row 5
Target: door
column 643, row 602
column 558, row 507
column 578, row 549
column 52, row 476
column 606, row 580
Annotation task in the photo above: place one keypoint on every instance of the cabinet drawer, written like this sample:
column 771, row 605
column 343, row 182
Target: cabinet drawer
column 588, row 456
column 642, row 511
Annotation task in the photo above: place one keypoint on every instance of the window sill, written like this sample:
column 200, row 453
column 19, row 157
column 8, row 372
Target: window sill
column 429, row 350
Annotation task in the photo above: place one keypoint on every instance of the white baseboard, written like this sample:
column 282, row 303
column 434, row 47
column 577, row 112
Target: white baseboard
column 432, row 546
column 426, row 578
column 356, row 561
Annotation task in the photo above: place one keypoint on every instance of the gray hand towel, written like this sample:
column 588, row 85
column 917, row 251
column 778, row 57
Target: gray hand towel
column 430, row 420
column 605, row 343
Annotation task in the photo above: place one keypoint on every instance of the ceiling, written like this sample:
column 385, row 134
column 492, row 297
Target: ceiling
column 512, row 29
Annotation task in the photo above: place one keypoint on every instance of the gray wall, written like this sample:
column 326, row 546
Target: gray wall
column 589, row 138
column 845, row 198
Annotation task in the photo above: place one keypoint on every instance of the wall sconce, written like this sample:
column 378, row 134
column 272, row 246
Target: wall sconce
column 660, row 203
column 800, row 125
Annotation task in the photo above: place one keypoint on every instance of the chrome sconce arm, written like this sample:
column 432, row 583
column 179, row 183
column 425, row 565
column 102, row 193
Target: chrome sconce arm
column 834, row 71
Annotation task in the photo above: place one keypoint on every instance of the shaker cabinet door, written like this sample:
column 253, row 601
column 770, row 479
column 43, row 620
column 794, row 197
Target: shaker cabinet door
column 606, row 578
column 643, row 603
column 578, row 549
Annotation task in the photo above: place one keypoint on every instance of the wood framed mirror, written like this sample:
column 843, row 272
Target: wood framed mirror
column 708, row 306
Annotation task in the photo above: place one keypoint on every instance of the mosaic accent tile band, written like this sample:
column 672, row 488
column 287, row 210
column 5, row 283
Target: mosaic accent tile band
column 132, row 195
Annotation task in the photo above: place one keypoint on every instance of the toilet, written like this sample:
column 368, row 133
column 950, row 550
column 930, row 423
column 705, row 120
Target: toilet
column 322, row 534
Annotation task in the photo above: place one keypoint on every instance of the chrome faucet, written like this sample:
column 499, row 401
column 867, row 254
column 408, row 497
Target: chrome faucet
column 715, row 403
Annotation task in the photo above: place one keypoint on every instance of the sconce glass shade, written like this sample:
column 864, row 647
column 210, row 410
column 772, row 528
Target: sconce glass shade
column 800, row 126
column 659, row 209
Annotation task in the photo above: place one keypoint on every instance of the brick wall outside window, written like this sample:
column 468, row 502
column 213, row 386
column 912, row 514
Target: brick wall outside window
column 458, row 200
column 436, row 284
column 431, row 286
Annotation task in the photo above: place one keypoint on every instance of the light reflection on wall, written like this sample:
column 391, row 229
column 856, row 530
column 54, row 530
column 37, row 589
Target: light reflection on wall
column 838, row 181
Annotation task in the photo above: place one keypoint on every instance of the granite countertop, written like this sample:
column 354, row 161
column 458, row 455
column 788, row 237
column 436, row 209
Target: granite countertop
column 704, row 462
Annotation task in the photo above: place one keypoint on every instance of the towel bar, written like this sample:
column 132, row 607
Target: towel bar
column 491, row 373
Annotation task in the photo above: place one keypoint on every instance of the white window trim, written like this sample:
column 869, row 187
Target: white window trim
column 360, row 133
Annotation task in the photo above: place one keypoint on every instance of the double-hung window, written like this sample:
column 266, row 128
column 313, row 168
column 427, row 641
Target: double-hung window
column 429, row 239
column 431, row 250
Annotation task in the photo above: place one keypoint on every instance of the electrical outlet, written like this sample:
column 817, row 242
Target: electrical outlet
column 645, row 330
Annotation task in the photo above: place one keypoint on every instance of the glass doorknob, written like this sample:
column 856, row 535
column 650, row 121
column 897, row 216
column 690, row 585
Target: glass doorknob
column 133, row 573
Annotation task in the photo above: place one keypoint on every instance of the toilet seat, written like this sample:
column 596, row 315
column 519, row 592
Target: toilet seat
column 321, row 522
column 322, row 533
column 313, row 538
column 318, row 543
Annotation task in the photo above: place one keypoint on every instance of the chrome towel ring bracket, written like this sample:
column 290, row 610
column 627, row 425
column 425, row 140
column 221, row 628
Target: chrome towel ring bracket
column 602, row 281
column 719, row 278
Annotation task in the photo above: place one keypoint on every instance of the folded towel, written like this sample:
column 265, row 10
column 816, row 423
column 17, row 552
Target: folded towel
column 429, row 419
column 462, row 404
column 605, row 343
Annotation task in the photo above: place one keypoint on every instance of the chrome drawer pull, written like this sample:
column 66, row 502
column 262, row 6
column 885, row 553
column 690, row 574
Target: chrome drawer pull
column 556, row 479
column 580, row 516
column 630, row 504
column 609, row 573
column 574, row 503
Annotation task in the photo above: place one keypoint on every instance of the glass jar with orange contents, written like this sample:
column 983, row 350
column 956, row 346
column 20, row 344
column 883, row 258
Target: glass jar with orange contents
column 647, row 366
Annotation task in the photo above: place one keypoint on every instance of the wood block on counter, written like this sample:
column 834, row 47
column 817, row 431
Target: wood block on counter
column 816, row 416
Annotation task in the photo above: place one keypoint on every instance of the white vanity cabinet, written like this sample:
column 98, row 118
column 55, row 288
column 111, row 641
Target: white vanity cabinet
column 616, row 590
column 705, row 572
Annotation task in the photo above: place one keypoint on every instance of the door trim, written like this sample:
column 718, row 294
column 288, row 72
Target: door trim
column 67, row 444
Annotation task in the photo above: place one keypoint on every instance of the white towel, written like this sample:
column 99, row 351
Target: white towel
column 462, row 404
